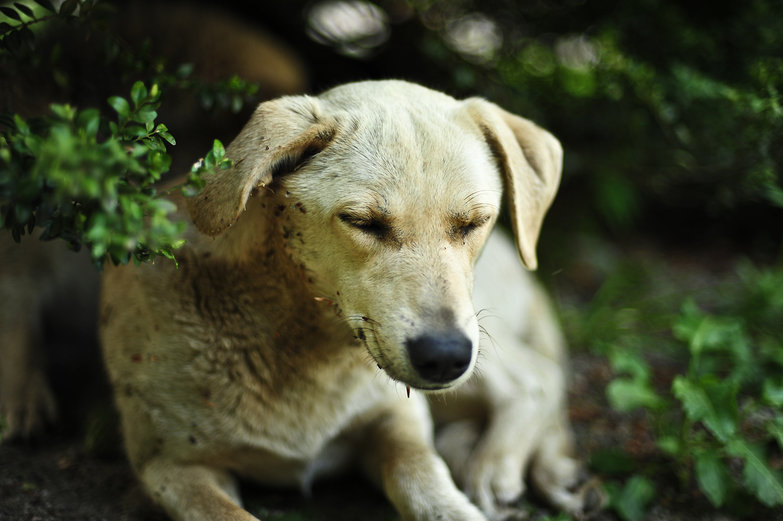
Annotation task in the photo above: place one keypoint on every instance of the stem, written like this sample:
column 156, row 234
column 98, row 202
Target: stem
column 27, row 24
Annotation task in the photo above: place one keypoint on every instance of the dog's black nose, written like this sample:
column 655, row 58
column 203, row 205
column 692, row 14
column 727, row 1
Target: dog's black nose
column 440, row 358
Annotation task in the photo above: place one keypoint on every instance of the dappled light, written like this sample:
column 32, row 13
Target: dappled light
column 354, row 28
column 475, row 36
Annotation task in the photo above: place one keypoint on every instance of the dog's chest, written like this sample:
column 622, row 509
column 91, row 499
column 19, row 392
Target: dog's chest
column 268, row 369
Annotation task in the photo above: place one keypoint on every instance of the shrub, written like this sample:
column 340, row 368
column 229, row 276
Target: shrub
column 90, row 175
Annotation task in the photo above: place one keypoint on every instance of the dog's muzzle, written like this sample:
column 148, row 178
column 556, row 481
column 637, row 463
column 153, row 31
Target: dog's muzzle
column 440, row 358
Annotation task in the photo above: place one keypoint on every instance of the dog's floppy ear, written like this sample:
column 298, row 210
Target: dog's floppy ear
column 278, row 136
column 531, row 160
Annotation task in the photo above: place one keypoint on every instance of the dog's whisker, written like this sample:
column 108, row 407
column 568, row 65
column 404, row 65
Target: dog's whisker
column 484, row 332
column 485, row 313
column 480, row 312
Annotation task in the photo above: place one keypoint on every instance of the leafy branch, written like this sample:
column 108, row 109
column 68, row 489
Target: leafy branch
column 89, row 179
column 17, row 33
column 89, row 176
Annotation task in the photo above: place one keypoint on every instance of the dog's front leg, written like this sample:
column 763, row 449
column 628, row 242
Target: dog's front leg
column 191, row 492
column 26, row 400
column 399, row 454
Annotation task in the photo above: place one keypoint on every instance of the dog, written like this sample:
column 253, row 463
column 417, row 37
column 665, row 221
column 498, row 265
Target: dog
column 322, row 314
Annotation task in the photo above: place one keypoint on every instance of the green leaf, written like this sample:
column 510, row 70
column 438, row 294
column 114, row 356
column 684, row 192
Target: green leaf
column 10, row 12
column 625, row 394
column 631, row 501
column 723, row 397
column 46, row 4
column 628, row 362
column 698, row 406
column 217, row 150
column 670, row 444
column 773, row 393
column 138, row 93
column 63, row 111
column 22, row 213
column 775, row 430
column 24, row 9
column 120, row 105
column 146, row 115
column 90, row 121
column 694, row 400
column 765, row 483
column 21, row 125
column 712, row 476
column 165, row 134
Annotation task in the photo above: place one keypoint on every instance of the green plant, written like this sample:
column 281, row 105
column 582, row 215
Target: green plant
column 719, row 419
column 90, row 175
column 88, row 179
column 731, row 392
column 691, row 122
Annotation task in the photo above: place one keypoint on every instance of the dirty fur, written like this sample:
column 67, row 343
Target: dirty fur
column 328, row 273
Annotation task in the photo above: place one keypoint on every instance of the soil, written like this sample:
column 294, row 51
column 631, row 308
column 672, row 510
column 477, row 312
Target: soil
column 77, row 471
column 64, row 476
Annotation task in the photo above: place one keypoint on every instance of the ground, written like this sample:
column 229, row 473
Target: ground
column 61, row 478
column 77, row 470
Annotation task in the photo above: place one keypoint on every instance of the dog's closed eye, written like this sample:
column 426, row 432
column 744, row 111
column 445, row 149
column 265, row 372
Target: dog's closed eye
column 374, row 226
column 463, row 227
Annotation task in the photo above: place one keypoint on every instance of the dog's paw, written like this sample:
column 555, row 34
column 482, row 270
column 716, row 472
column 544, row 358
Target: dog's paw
column 26, row 407
column 494, row 482
column 489, row 476
column 582, row 496
column 592, row 498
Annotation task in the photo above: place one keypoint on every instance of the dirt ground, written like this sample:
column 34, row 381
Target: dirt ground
column 63, row 476
column 77, row 471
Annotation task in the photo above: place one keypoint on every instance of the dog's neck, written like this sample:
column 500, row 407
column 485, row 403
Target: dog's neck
column 246, row 292
column 254, row 244
column 251, row 236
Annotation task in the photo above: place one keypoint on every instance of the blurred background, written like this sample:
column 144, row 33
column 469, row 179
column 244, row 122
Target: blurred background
column 662, row 250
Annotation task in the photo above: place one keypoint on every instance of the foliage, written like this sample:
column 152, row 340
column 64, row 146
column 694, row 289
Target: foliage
column 720, row 419
column 660, row 104
column 23, row 17
column 88, row 176
column 61, row 175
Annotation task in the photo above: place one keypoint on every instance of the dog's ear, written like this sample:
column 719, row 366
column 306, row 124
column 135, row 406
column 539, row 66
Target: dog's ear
column 531, row 160
column 280, row 134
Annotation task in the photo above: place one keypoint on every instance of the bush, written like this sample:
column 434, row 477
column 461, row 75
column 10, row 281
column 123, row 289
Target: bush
column 661, row 105
column 90, row 175
column 715, row 414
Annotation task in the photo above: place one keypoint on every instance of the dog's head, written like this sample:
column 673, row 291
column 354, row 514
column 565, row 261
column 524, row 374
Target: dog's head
column 388, row 191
